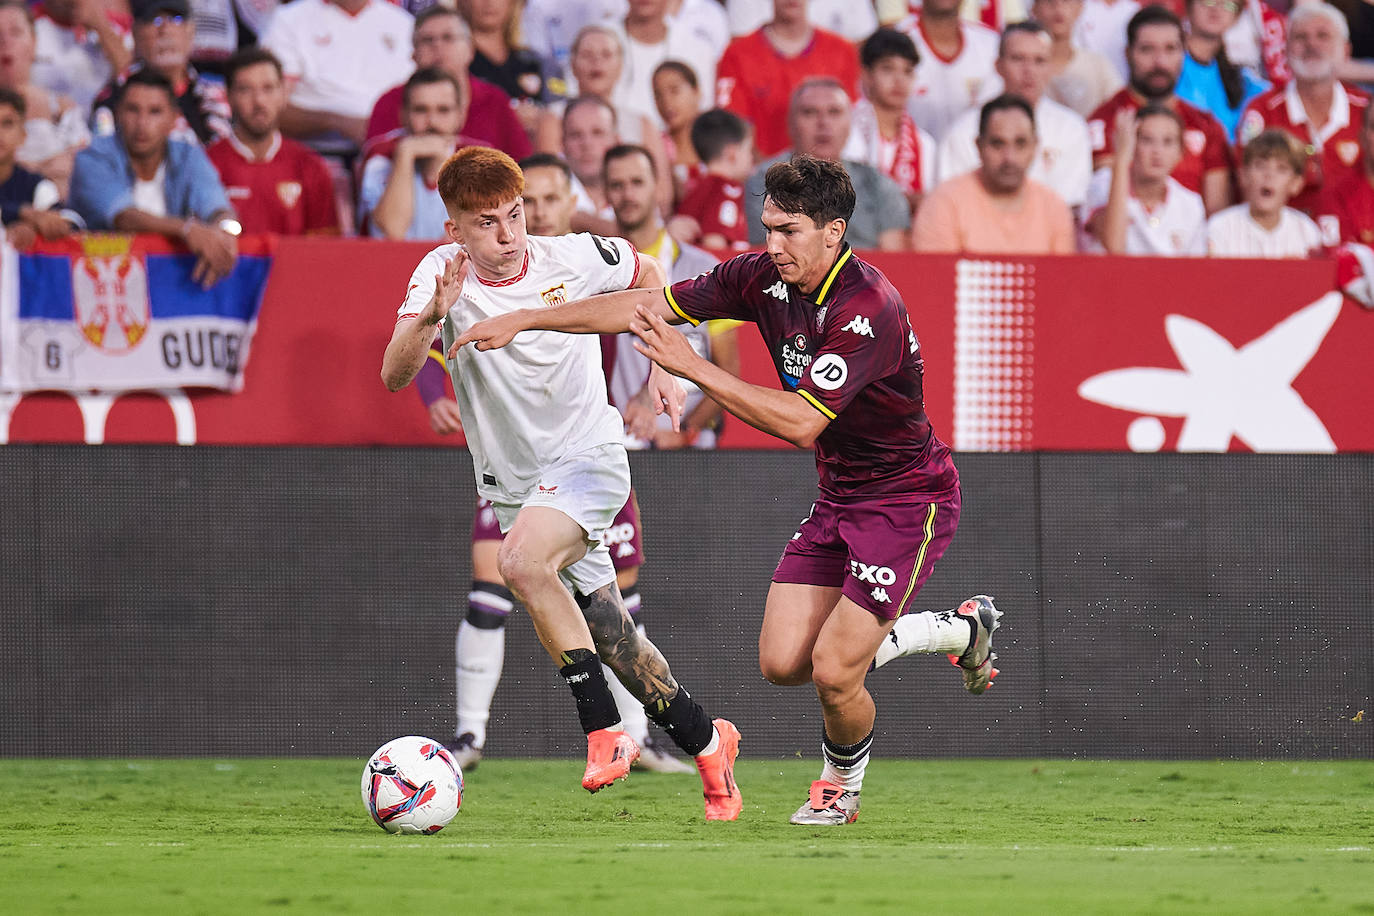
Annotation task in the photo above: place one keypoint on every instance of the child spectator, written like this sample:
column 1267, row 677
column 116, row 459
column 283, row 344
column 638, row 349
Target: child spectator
column 1135, row 207
column 715, row 201
column 881, row 132
column 1265, row 226
column 28, row 201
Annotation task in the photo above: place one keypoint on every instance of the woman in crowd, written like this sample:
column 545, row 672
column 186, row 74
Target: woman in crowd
column 1210, row 81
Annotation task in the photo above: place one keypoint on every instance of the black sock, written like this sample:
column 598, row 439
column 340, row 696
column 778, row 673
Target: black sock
column 846, row 756
column 595, row 705
column 684, row 720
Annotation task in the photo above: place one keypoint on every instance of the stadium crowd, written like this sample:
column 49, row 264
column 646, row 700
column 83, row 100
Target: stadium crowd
column 1230, row 127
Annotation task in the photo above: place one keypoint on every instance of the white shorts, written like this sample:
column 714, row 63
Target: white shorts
column 590, row 488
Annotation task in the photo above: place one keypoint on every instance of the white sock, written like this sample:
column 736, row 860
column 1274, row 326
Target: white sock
column 928, row 631
column 478, row 654
column 846, row 770
column 714, row 744
column 632, row 715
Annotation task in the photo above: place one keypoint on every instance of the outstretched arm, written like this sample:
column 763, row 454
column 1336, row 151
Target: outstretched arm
column 609, row 313
column 410, row 341
column 784, row 414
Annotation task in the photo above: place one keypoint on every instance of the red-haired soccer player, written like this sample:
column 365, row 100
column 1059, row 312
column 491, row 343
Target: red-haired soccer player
column 889, row 493
column 547, row 451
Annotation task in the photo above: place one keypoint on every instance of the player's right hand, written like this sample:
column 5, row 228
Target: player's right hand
column 448, row 286
column 444, row 417
column 490, row 333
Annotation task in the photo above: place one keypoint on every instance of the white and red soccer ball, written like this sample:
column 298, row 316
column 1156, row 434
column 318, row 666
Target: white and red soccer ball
column 412, row 785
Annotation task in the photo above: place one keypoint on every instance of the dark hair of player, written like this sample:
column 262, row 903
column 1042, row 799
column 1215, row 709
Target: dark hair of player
column 477, row 177
column 816, row 188
column 683, row 70
column 1007, row 101
column 146, row 76
column 1276, row 143
column 625, row 151
column 247, row 57
column 886, row 43
column 1151, row 15
column 715, row 131
column 428, row 76
column 546, row 161
column 14, row 100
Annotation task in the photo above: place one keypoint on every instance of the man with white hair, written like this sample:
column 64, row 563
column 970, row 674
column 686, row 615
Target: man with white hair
column 1063, row 158
column 1314, row 106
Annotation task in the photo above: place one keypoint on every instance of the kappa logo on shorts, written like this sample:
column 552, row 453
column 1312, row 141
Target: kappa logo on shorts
column 878, row 575
column 880, row 595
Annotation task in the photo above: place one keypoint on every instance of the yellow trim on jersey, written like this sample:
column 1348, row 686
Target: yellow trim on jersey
column 812, row 400
column 438, row 357
column 668, row 294
column 721, row 325
column 834, row 271
column 920, row 556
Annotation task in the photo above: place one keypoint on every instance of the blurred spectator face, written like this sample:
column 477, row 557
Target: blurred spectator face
column 1025, row 65
column 588, row 131
column 436, row 109
column 596, row 63
column 1211, row 18
column 788, row 11
column 631, row 191
column 941, row 7
column 11, row 133
column 1158, row 147
column 1315, row 47
column 257, row 98
column 1269, row 184
column 1057, row 16
column 548, row 201
column 820, row 121
column 16, row 47
column 486, row 15
column 678, row 101
column 1156, row 60
column 145, row 117
column 1006, row 150
column 164, row 41
column 443, row 42
column 648, row 9
column 888, row 83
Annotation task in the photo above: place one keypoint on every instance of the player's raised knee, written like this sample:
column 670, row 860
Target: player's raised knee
column 784, row 673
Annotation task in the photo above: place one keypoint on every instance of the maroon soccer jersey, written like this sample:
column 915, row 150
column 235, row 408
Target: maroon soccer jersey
column 290, row 192
column 849, row 350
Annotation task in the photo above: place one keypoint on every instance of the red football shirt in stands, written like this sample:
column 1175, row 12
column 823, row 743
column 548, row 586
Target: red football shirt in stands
column 289, row 192
column 489, row 116
column 1205, row 146
column 717, row 204
column 756, row 82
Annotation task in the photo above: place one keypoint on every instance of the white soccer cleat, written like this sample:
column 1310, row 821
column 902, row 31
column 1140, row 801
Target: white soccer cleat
column 465, row 750
column 828, row 805
column 977, row 660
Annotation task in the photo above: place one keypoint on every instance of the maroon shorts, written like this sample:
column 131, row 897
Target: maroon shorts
column 623, row 538
column 880, row 552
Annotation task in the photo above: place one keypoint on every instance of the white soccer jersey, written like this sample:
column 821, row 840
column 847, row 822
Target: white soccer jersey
column 543, row 396
column 1233, row 234
column 1102, row 28
column 944, row 88
column 1177, row 226
column 1063, row 155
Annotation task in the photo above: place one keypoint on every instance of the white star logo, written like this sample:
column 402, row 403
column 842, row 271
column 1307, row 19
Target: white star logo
column 1224, row 391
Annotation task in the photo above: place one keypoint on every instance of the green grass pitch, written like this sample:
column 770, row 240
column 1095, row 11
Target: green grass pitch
column 977, row 836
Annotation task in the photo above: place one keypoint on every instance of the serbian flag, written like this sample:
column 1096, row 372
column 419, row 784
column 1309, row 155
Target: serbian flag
column 121, row 313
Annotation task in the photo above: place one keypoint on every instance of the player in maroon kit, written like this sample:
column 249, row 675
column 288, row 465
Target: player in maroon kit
column 888, row 505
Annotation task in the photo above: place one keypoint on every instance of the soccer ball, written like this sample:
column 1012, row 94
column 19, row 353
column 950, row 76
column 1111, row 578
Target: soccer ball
column 412, row 785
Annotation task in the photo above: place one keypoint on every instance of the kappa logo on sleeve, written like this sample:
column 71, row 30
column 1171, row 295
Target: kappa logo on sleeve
column 609, row 253
column 859, row 325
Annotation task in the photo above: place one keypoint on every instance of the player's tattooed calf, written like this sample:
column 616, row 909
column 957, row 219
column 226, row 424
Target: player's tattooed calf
column 640, row 665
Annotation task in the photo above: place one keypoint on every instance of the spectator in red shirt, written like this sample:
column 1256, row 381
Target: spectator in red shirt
column 1351, row 200
column 442, row 39
column 1154, row 54
column 1318, row 109
column 759, row 72
column 715, row 202
column 275, row 184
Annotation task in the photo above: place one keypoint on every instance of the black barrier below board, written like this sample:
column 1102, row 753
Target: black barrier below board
column 292, row 601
